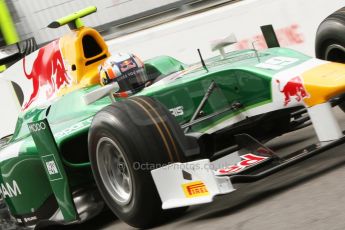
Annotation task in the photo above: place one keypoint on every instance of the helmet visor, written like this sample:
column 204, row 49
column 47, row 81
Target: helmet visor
column 132, row 80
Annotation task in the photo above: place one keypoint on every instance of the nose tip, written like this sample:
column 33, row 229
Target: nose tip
column 324, row 82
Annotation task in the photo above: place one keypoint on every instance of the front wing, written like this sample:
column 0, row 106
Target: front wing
column 198, row 182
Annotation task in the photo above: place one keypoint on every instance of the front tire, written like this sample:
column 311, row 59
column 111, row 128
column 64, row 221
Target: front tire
column 126, row 141
column 330, row 37
column 330, row 40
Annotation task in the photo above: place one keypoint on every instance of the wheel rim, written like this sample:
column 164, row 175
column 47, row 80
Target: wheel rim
column 114, row 170
column 335, row 52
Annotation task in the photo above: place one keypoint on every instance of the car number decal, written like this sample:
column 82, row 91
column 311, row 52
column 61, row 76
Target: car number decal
column 277, row 63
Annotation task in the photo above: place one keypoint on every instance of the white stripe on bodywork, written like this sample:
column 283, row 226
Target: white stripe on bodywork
column 10, row 151
column 9, row 173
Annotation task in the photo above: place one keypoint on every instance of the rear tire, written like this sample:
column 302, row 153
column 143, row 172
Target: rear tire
column 126, row 141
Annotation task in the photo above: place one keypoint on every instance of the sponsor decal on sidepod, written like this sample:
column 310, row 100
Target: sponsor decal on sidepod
column 10, row 190
column 177, row 111
column 48, row 73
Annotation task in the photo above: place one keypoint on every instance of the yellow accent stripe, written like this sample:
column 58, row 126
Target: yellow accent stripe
column 165, row 127
column 158, row 128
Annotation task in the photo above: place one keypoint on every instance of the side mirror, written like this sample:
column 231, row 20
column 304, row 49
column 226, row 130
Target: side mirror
column 219, row 44
column 99, row 93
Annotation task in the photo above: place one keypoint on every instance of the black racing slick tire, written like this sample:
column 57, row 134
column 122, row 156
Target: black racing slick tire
column 330, row 37
column 126, row 141
column 330, row 40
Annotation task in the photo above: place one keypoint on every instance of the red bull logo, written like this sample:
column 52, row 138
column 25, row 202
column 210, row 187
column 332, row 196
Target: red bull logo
column 293, row 88
column 48, row 73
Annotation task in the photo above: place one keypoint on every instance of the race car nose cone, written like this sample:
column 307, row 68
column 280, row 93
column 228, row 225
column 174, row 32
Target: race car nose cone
column 324, row 82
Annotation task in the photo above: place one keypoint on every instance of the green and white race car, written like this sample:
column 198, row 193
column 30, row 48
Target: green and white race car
column 185, row 138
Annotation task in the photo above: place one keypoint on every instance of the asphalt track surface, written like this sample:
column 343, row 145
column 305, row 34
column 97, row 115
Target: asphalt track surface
column 308, row 195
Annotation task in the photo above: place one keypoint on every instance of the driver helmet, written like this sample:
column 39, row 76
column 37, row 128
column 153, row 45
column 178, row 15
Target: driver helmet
column 125, row 69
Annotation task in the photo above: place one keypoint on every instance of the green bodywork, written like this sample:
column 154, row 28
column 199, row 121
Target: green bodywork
column 181, row 87
column 54, row 168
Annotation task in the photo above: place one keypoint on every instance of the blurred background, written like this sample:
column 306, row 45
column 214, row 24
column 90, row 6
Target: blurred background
column 150, row 28
column 114, row 17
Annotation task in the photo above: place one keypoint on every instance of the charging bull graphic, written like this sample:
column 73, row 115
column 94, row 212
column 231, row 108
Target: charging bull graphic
column 48, row 74
column 293, row 88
